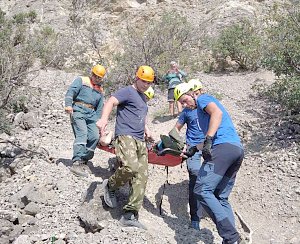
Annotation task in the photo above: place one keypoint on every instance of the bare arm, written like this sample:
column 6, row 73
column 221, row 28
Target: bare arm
column 178, row 126
column 108, row 107
column 215, row 118
column 148, row 135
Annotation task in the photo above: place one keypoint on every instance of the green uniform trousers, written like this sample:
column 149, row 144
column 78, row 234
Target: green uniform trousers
column 134, row 169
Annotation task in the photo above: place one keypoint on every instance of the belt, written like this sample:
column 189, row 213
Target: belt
column 85, row 104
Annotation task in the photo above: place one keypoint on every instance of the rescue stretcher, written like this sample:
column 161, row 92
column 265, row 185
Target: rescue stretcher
column 162, row 157
column 158, row 157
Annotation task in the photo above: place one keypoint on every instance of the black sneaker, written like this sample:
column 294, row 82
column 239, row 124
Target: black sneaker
column 80, row 168
column 239, row 241
column 130, row 220
column 109, row 196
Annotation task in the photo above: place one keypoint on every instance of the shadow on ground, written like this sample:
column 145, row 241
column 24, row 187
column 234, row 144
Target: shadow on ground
column 176, row 196
column 161, row 119
column 93, row 209
column 271, row 129
column 65, row 161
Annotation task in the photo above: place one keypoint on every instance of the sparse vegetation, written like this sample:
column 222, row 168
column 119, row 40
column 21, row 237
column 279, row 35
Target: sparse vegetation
column 20, row 48
column 240, row 43
column 285, row 91
column 157, row 43
column 283, row 43
column 275, row 47
column 283, row 58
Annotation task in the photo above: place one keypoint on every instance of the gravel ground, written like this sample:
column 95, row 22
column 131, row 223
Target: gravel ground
column 42, row 200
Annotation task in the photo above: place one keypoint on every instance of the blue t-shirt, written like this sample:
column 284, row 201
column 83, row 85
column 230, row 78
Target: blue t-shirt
column 226, row 132
column 194, row 134
column 131, row 112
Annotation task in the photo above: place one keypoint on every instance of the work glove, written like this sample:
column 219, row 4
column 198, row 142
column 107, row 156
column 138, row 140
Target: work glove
column 191, row 151
column 206, row 151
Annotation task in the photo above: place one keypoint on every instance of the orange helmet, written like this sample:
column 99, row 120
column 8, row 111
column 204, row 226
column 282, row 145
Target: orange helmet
column 145, row 73
column 99, row 70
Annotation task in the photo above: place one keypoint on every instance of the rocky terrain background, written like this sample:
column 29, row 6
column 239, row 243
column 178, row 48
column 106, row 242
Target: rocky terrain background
column 43, row 202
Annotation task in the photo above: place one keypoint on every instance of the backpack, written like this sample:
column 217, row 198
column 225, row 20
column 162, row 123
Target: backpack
column 172, row 141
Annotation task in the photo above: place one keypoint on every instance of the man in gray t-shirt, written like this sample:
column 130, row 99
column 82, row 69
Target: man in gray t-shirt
column 131, row 112
column 130, row 144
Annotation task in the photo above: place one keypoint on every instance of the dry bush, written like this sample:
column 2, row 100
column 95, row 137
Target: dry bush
column 283, row 57
column 21, row 46
column 155, row 42
column 240, row 43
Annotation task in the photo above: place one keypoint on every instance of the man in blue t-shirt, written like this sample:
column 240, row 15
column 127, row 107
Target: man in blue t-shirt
column 130, row 146
column 223, row 155
column 194, row 137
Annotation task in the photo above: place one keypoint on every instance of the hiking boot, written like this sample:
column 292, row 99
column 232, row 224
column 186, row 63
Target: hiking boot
column 109, row 196
column 195, row 225
column 239, row 241
column 130, row 220
column 80, row 168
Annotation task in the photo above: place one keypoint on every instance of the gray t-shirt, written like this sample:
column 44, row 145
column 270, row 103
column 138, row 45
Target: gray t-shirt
column 131, row 112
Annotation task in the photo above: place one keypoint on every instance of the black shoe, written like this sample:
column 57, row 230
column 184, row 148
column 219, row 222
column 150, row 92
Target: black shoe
column 239, row 241
column 80, row 168
column 130, row 220
column 109, row 196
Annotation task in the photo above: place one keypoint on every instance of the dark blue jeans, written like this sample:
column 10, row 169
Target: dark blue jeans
column 193, row 166
column 214, row 184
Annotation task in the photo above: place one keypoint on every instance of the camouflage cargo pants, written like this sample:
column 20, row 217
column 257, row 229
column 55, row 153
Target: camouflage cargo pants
column 134, row 169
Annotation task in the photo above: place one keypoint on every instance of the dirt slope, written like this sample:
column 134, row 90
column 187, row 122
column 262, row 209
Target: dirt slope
column 266, row 193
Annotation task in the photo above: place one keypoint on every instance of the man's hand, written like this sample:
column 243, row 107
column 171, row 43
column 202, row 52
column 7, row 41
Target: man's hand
column 191, row 151
column 206, row 151
column 101, row 125
column 69, row 110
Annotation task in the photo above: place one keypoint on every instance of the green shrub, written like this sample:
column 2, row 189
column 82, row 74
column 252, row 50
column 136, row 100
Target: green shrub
column 156, row 44
column 20, row 18
column 283, row 43
column 285, row 91
column 32, row 15
column 19, row 104
column 283, row 57
column 241, row 43
column 47, row 47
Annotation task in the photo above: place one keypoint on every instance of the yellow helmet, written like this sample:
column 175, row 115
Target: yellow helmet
column 99, row 70
column 149, row 92
column 145, row 73
column 195, row 84
column 181, row 89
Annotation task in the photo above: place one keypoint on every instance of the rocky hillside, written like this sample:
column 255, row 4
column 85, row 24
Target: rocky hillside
column 41, row 198
column 43, row 202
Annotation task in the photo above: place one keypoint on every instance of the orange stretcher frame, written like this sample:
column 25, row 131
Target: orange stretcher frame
column 160, row 158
